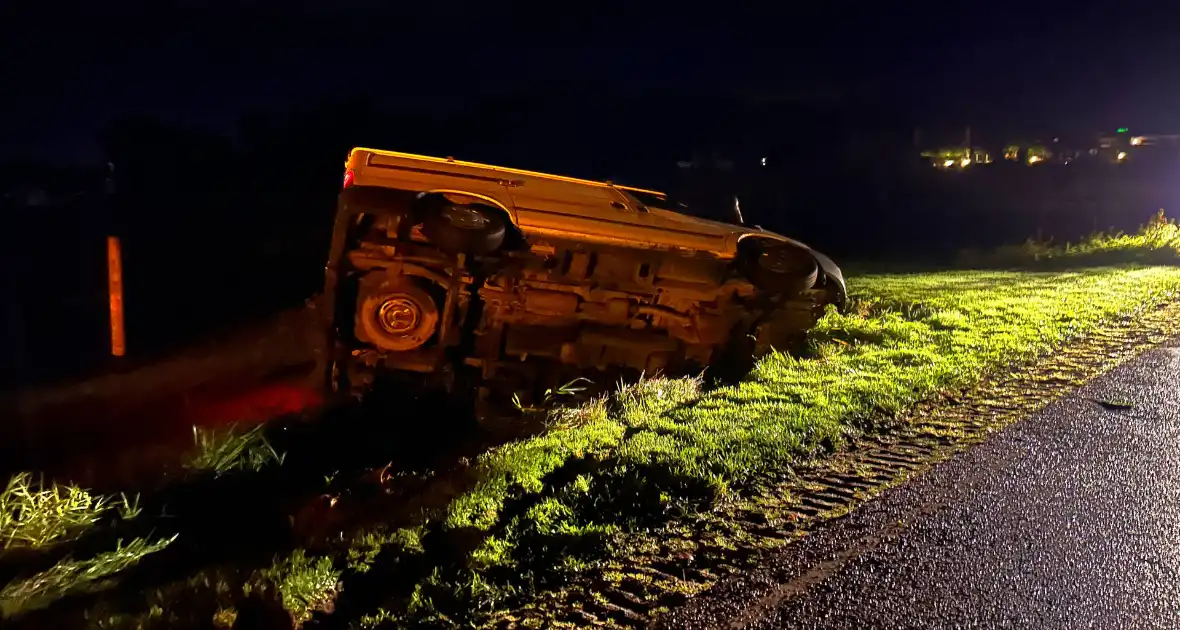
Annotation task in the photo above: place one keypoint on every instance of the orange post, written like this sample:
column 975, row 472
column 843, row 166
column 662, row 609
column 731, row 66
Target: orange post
column 115, row 288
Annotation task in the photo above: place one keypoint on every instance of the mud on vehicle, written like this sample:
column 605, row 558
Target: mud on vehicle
column 498, row 281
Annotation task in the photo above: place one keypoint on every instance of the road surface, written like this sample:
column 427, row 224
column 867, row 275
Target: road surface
column 1069, row 519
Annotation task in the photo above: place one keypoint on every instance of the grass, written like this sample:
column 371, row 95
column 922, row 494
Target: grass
column 220, row 451
column 528, row 515
column 34, row 515
column 71, row 576
column 668, row 446
column 304, row 585
column 1157, row 242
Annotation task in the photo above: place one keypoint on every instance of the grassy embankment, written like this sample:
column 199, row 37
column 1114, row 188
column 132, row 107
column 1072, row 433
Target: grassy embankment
column 541, row 509
column 546, row 506
column 44, row 520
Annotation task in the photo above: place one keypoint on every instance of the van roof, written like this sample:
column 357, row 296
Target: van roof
column 504, row 169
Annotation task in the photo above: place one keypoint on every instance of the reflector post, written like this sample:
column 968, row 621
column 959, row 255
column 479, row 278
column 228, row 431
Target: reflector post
column 115, row 290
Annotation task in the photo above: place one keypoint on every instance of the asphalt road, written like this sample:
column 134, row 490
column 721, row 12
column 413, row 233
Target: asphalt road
column 1068, row 519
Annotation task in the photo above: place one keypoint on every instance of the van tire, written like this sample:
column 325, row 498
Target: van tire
column 782, row 269
column 470, row 229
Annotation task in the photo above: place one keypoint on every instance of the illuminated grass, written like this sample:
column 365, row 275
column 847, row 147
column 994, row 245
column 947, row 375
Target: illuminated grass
column 1157, row 242
column 223, row 450
column 34, row 514
column 663, row 445
column 915, row 335
column 71, row 576
column 304, row 585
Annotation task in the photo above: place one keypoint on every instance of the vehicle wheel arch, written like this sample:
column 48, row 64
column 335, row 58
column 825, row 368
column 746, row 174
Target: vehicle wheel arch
column 515, row 237
column 754, row 239
column 753, row 253
column 830, row 274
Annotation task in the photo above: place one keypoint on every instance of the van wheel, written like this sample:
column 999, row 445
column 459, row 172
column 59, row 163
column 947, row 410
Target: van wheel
column 464, row 229
column 787, row 270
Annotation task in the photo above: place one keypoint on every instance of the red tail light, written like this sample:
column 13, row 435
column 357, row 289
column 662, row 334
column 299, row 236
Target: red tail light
column 348, row 177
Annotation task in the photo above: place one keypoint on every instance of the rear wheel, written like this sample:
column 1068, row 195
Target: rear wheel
column 464, row 229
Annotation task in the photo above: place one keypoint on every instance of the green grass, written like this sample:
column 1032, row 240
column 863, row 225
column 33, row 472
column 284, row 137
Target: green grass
column 304, row 585
column 534, row 512
column 1157, row 242
column 71, row 576
column 229, row 449
column 912, row 336
column 34, row 514
column 666, row 446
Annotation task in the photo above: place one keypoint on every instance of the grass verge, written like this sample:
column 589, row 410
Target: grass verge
column 546, row 506
column 1157, row 242
column 530, row 515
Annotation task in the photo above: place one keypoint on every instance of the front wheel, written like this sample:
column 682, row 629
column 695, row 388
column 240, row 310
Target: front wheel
column 782, row 269
column 464, row 229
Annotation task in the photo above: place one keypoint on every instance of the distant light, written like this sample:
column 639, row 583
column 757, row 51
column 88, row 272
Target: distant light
column 948, row 163
column 1056, row 139
column 1033, row 159
column 1122, row 130
column 964, row 162
column 1137, row 140
column 763, row 161
column 1122, row 155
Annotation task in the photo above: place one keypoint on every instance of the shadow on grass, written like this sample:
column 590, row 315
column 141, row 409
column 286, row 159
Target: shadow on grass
column 231, row 525
column 444, row 584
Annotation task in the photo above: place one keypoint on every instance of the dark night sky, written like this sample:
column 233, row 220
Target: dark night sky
column 1009, row 66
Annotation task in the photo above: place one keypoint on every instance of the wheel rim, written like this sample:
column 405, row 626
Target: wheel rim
column 399, row 315
column 465, row 218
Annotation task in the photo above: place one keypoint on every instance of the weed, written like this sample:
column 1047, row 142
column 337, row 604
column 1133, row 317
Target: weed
column 225, row 618
column 366, row 546
column 71, row 576
column 225, row 450
column 35, row 515
column 567, row 391
column 304, row 585
column 128, row 508
column 563, row 394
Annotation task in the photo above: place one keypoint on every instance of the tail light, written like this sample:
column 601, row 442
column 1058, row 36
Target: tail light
column 348, row 178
